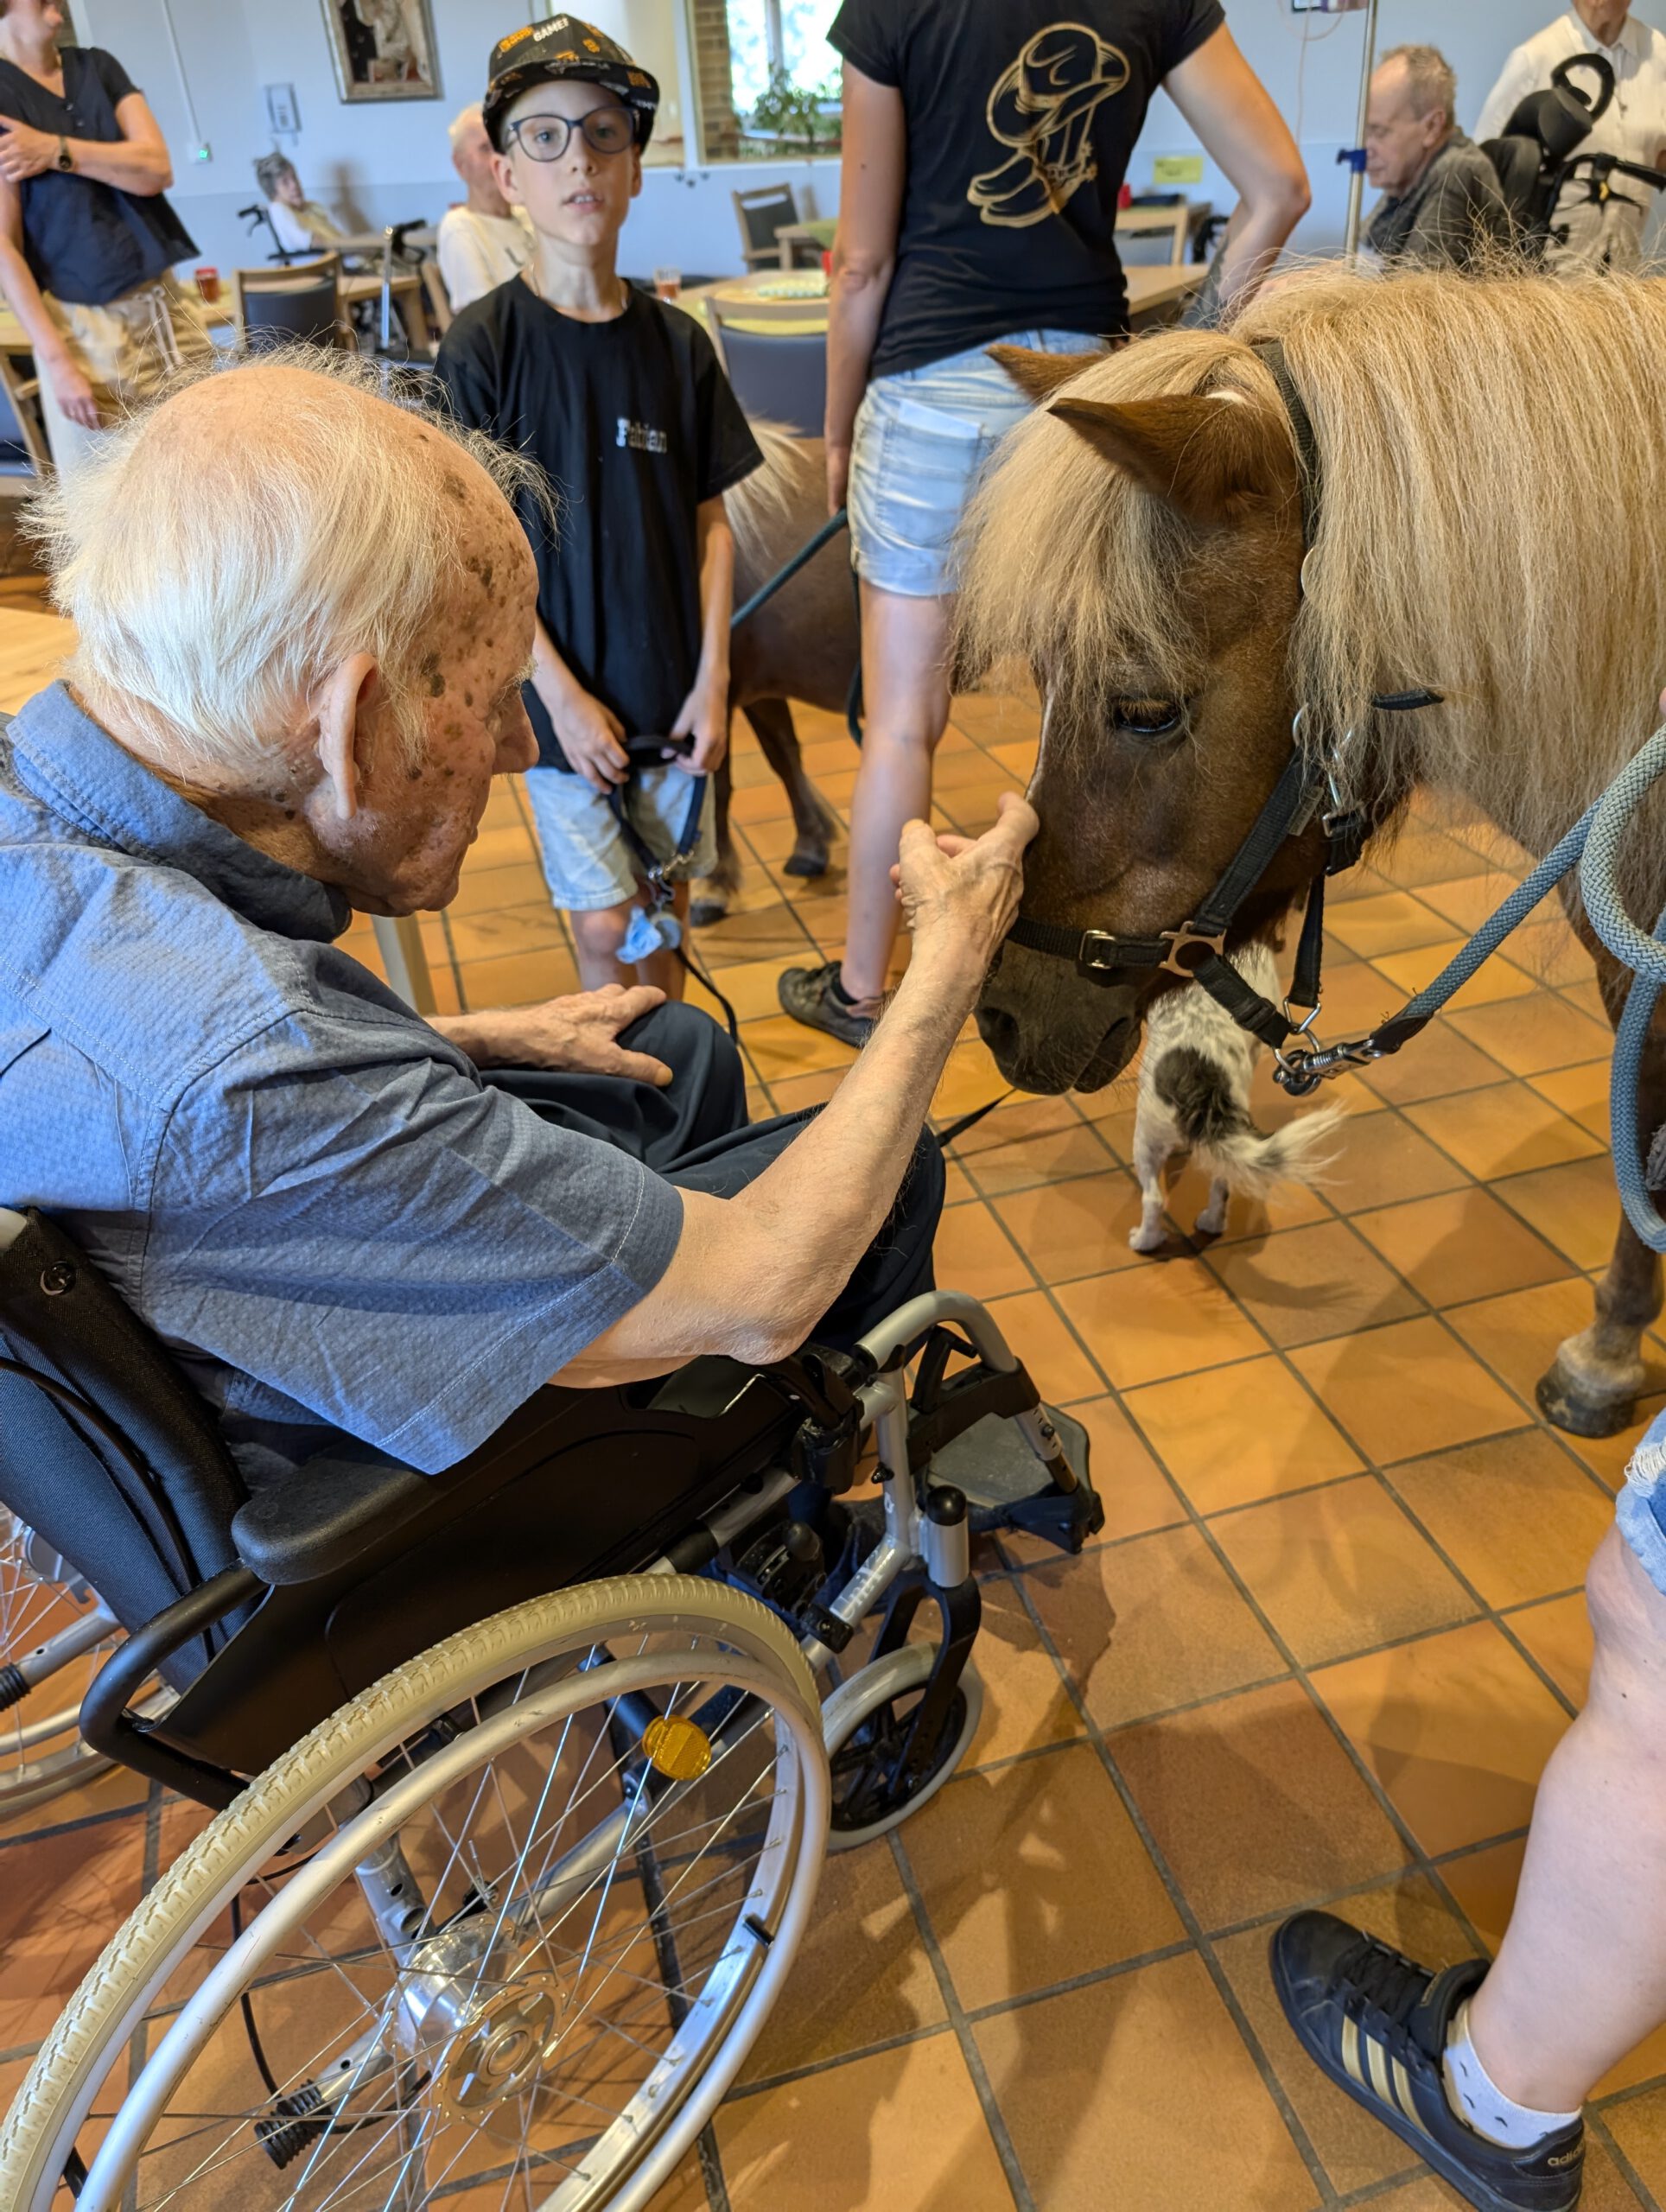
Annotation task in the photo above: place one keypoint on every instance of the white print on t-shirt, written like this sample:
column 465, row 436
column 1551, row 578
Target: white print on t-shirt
column 640, row 436
column 1045, row 105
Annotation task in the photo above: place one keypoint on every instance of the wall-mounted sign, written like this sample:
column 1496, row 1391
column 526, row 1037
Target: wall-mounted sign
column 283, row 111
column 1177, row 169
column 383, row 50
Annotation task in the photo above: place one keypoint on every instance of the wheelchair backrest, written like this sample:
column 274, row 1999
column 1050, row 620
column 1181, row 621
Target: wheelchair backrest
column 104, row 1448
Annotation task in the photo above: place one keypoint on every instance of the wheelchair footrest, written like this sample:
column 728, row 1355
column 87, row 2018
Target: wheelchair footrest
column 1007, row 1487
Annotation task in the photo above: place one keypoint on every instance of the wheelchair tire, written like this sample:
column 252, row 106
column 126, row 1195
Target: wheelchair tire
column 41, row 1753
column 480, row 2013
column 900, row 1674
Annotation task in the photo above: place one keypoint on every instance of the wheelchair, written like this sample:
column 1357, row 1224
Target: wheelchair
column 522, row 1776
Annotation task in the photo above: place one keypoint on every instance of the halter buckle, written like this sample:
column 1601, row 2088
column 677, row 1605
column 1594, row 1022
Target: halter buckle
column 1182, row 940
column 1100, row 952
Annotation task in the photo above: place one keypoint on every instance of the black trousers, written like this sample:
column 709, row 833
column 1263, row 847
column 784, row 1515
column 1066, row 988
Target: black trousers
column 695, row 1133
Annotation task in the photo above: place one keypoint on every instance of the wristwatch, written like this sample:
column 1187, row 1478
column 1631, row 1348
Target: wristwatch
column 66, row 159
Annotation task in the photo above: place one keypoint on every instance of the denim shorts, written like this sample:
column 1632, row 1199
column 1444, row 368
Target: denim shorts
column 923, row 438
column 1641, row 1510
column 587, row 863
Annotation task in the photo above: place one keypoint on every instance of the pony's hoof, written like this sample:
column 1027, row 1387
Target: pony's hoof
column 705, row 913
column 1211, row 1224
column 1147, row 1240
column 806, row 860
column 1576, row 1411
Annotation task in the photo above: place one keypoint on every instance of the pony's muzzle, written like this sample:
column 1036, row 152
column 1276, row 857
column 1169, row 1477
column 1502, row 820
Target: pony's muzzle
column 1051, row 1029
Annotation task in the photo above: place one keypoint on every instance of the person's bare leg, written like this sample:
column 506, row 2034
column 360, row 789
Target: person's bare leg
column 665, row 970
column 598, row 932
column 905, row 691
column 1580, row 1976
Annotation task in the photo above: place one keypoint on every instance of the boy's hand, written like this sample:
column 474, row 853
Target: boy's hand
column 593, row 739
column 705, row 718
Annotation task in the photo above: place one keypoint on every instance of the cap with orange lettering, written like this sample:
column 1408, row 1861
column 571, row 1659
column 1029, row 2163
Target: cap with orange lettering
column 564, row 47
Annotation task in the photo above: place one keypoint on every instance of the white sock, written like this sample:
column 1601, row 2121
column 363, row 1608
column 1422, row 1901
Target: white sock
column 1477, row 2099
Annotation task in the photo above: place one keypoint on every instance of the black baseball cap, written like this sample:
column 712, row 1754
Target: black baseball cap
column 564, row 47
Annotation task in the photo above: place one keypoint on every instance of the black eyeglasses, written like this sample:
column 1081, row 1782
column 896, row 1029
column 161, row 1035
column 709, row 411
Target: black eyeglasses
column 546, row 137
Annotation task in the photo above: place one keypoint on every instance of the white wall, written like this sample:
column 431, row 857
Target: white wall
column 382, row 163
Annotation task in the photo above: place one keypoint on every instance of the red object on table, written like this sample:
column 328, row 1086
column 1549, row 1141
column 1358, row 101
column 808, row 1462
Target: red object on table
column 208, row 285
column 827, row 263
column 1124, row 196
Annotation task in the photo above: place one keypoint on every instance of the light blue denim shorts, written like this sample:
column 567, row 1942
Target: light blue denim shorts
column 923, row 438
column 1641, row 1511
column 587, row 863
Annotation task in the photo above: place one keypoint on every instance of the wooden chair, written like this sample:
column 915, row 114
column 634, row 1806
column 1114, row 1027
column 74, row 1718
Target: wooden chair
column 760, row 215
column 433, row 291
column 301, row 303
column 26, row 458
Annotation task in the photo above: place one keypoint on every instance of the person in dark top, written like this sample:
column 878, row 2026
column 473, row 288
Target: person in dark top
column 1441, row 200
column 984, row 147
column 87, row 240
column 621, row 401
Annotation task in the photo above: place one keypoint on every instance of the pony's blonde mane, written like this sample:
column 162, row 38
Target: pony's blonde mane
column 760, row 503
column 1492, row 524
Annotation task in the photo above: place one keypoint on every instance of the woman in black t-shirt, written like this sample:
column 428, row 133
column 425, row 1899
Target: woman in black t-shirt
column 985, row 142
column 88, row 241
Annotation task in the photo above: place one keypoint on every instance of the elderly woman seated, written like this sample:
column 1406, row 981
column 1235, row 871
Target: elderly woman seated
column 299, row 225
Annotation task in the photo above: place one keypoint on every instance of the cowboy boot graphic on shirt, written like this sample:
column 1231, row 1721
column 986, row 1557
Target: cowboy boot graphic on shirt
column 1044, row 106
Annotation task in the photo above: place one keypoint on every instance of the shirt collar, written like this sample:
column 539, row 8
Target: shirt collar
column 1630, row 39
column 80, row 774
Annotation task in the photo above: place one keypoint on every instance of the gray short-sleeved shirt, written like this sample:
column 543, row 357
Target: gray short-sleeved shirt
column 307, row 1191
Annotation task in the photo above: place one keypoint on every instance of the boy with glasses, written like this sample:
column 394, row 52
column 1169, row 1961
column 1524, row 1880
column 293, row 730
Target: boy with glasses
column 621, row 400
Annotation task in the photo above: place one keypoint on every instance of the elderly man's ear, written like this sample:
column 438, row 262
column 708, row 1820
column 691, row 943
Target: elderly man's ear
column 342, row 737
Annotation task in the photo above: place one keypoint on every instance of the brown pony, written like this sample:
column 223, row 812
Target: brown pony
column 1491, row 524
column 801, row 643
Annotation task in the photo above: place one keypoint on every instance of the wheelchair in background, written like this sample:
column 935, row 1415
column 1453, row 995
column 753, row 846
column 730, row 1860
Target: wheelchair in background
column 523, row 1775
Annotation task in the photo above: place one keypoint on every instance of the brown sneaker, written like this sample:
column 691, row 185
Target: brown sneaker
column 807, row 994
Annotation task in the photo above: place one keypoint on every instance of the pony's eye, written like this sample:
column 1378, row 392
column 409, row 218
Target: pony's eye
column 1147, row 718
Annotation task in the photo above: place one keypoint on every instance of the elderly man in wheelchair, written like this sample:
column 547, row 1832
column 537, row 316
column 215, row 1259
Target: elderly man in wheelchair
column 456, row 1421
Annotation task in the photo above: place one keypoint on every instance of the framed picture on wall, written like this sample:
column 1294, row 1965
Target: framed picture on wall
column 383, row 50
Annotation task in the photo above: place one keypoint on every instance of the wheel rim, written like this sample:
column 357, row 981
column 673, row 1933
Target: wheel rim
column 40, row 1751
column 519, row 2047
column 867, row 1702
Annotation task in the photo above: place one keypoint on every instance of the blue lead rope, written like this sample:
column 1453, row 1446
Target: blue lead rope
column 1593, row 842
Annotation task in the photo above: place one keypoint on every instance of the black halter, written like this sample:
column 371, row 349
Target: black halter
column 1196, row 950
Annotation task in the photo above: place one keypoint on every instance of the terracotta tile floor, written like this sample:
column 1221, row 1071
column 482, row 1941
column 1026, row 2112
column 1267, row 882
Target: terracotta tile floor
column 1330, row 1635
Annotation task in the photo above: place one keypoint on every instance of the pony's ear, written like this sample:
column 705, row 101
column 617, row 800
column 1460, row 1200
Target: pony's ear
column 1207, row 456
column 1038, row 376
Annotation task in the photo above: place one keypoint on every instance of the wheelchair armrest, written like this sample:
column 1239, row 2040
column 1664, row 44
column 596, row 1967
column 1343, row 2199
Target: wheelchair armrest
column 307, row 1523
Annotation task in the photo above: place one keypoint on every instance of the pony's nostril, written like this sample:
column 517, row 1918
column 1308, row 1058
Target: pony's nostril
column 999, row 1032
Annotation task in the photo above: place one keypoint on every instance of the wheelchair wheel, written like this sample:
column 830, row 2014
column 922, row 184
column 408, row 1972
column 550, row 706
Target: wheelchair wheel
column 862, row 1724
column 54, row 1627
column 499, row 1931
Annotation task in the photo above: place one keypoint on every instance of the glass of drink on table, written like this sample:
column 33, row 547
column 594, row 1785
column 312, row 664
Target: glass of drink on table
column 667, row 283
column 208, row 285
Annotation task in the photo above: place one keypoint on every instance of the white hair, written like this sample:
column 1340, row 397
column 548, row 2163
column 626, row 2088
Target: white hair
column 464, row 121
column 215, row 581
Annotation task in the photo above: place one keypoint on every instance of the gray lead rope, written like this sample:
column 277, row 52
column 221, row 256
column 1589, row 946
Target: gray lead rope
column 1593, row 842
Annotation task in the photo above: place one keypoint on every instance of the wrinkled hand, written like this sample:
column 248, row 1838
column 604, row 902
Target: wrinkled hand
column 838, row 477
column 577, row 1034
column 74, row 395
column 959, row 895
column 25, row 153
column 704, row 717
column 592, row 738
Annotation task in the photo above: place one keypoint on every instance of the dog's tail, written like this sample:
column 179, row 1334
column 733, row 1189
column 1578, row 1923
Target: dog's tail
column 1221, row 1136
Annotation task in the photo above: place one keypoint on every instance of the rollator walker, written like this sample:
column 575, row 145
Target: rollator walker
column 522, row 1773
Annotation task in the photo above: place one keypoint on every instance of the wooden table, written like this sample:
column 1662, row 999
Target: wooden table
column 221, row 315
column 33, row 647
column 1155, row 294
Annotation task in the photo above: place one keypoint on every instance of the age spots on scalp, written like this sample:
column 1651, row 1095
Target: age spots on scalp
column 428, row 667
column 478, row 565
column 453, row 487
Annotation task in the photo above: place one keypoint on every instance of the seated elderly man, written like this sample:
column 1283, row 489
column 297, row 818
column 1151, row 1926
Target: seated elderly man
column 1440, row 196
column 289, row 701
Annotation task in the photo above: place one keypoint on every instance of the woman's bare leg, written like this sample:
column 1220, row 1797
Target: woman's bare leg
column 906, row 690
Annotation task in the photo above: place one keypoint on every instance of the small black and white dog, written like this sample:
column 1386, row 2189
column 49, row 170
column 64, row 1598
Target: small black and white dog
column 1194, row 1097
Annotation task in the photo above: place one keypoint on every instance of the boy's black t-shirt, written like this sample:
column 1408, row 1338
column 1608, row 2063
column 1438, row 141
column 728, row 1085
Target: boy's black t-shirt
column 635, row 424
column 1020, row 130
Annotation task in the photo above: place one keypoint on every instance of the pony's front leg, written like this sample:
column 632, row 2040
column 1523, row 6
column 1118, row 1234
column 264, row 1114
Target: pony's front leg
column 712, row 892
column 813, row 821
column 1593, row 1388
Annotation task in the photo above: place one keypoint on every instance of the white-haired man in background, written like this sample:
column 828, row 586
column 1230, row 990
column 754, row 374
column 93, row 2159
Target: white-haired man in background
column 1441, row 197
column 289, row 701
column 487, row 240
column 1608, row 231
